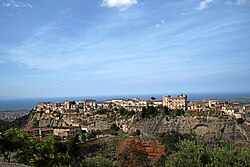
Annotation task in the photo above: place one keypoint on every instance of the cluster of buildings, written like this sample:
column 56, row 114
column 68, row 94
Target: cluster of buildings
column 228, row 108
column 83, row 106
column 136, row 104
column 74, row 113
column 67, row 106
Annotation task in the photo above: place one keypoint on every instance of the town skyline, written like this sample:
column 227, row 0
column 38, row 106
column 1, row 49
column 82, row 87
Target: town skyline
column 116, row 47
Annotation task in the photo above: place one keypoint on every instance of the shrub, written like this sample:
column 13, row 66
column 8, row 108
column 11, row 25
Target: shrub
column 114, row 127
column 149, row 111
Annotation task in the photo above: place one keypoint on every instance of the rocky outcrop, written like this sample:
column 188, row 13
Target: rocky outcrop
column 138, row 152
column 208, row 128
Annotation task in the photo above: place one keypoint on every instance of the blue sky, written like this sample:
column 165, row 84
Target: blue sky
column 53, row 48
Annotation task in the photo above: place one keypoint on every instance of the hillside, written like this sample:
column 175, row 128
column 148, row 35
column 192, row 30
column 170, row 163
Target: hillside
column 207, row 128
column 17, row 123
column 212, row 128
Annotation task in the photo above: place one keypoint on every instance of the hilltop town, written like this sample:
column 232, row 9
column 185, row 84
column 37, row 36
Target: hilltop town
column 126, row 132
column 72, row 117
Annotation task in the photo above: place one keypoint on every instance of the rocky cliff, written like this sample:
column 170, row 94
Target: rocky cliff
column 208, row 128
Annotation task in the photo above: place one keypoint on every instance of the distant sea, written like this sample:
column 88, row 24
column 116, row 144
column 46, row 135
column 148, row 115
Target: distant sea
column 29, row 103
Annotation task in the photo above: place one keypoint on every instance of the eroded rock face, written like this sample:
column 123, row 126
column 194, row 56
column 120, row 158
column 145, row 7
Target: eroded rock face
column 208, row 128
column 138, row 152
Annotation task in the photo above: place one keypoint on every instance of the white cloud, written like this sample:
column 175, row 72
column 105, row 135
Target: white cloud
column 119, row 3
column 237, row 2
column 157, row 25
column 17, row 4
column 203, row 4
column 162, row 22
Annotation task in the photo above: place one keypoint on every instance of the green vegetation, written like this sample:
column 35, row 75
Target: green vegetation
column 180, row 149
column 35, row 151
column 171, row 138
column 97, row 161
column 160, row 162
column 91, row 135
column 166, row 110
column 114, row 129
column 183, row 150
column 125, row 112
column 10, row 141
column 152, row 111
column 48, row 151
column 240, row 120
column 198, row 153
column 102, row 111
column 138, row 132
column 149, row 112
column 177, row 112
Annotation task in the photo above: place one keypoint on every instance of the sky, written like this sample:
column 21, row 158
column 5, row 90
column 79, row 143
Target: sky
column 59, row 48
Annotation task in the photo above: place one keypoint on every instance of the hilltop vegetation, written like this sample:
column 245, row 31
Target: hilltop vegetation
column 180, row 150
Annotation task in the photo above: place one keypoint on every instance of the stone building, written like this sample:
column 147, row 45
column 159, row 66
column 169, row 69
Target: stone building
column 179, row 102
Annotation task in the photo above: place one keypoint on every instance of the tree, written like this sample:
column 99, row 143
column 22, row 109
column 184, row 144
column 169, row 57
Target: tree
column 35, row 151
column 10, row 141
column 177, row 112
column 125, row 112
column 228, row 155
column 171, row 138
column 71, row 145
column 190, row 154
column 91, row 134
column 160, row 162
column 42, row 152
column 198, row 154
column 114, row 127
column 149, row 111
column 166, row 110
column 102, row 111
column 152, row 98
column 138, row 132
column 240, row 120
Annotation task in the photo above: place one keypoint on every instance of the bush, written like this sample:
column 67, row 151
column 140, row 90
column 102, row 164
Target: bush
column 91, row 134
column 166, row 110
column 160, row 162
column 138, row 132
column 177, row 112
column 240, row 121
column 171, row 138
column 149, row 111
column 197, row 153
column 102, row 111
column 125, row 112
column 97, row 161
column 114, row 127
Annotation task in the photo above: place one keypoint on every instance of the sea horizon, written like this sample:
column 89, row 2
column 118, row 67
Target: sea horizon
column 13, row 104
